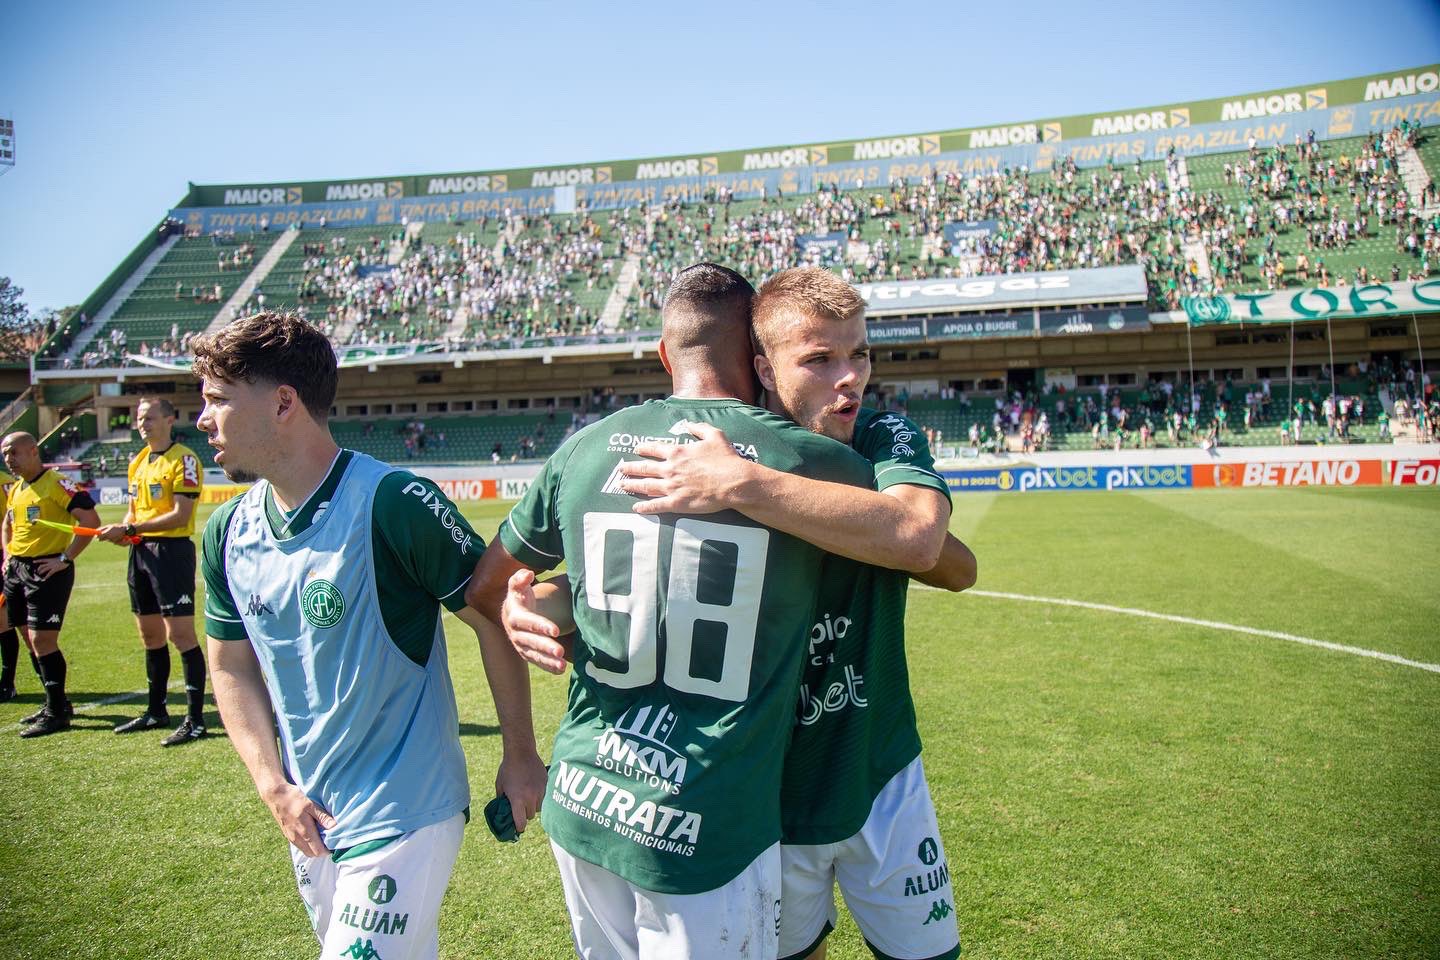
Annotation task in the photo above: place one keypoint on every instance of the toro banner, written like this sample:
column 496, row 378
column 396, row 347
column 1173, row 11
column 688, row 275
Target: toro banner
column 1024, row 479
column 1314, row 303
column 1298, row 473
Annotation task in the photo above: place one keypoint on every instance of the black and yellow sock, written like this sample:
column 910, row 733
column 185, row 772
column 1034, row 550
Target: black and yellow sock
column 192, row 662
column 52, row 675
column 157, row 672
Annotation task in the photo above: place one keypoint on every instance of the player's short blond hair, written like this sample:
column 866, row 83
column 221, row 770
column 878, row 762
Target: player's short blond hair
column 800, row 293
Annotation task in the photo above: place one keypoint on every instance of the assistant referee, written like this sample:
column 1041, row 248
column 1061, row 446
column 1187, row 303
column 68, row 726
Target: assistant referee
column 40, row 568
column 164, row 489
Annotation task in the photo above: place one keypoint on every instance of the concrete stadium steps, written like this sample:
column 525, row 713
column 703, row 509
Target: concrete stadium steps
column 126, row 290
column 263, row 266
column 150, row 311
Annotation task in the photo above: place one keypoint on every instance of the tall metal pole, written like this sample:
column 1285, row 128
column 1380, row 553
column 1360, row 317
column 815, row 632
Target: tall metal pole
column 1334, row 400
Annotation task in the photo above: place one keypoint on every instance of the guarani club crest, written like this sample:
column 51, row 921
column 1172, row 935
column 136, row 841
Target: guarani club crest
column 321, row 603
column 1203, row 310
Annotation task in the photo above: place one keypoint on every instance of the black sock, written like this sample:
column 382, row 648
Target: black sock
column 9, row 657
column 157, row 671
column 192, row 661
column 52, row 674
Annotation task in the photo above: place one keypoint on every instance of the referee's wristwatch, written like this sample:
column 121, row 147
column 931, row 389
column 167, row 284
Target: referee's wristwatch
column 66, row 559
column 129, row 529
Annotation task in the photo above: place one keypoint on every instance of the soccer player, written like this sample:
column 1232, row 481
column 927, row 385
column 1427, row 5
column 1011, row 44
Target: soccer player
column 663, row 802
column 856, row 806
column 164, row 488
column 40, row 568
column 325, row 584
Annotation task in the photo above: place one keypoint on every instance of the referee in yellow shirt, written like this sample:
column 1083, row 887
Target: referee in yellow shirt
column 9, row 639
column 164, row 489
column 40, row 567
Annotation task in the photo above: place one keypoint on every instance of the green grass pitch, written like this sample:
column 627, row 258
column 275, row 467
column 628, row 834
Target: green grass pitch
column 1107, row 785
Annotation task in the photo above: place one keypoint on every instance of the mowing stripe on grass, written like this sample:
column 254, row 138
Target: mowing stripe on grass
column 1191, row 621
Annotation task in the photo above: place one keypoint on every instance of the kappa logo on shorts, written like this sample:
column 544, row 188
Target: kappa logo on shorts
column 322, row 604
column 939, row 910
column 361, row 950
column 54, row 618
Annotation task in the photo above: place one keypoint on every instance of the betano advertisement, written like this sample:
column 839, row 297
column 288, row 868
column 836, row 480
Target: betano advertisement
column 1339, row 108
column 1258, row 473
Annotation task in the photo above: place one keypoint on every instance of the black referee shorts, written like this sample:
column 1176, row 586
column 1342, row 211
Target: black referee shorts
column 36, row 601
column 162, row 577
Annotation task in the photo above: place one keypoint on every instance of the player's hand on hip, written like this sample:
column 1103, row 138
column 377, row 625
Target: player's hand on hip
column 301, row 819
column 522, row 779
column 534, row 636
column 700, row 477
column 50, row 566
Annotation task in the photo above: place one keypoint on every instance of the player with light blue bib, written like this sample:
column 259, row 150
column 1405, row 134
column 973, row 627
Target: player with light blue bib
column 325, row 582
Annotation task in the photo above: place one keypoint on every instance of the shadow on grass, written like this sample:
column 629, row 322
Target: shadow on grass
column 478, row 730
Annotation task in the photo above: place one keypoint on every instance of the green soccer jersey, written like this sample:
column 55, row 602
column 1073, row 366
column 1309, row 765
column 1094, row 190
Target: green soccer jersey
column 855, row 723
column 691, row 638
column 423, row 549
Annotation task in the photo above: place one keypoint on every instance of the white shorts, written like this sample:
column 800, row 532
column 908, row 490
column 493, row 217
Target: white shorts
column 385, row 903
column 612, row 919
column 893, row 875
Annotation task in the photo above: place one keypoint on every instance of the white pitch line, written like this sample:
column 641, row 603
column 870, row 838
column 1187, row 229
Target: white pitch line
column 1193, row 622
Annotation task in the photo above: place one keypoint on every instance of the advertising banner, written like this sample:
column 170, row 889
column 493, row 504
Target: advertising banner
column 896, row 331
column 1024, row 479
column 824, row 247
column 1052, row 288
column 1314, row 303
column 1300, row 473
column 469, row 489
column 981, row 326
column 1060, row 323
column 1415, row 473
column 215, row 493
column 1333, row 108
column 960, row 237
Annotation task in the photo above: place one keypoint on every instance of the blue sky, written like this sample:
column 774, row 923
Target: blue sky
column 118, row 106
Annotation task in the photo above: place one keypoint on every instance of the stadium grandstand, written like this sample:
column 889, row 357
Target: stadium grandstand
column 1186, row 274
